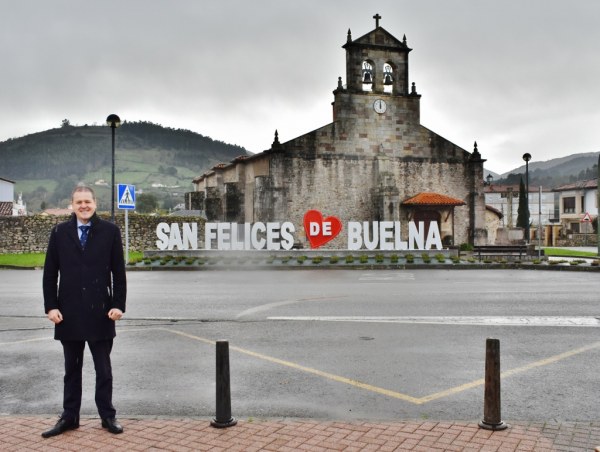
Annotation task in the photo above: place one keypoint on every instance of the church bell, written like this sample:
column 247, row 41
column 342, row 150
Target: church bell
column 388, row 80
column 367, row 78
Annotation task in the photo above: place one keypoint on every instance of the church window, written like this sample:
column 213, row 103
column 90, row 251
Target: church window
column 367, row 76
column 388, row 78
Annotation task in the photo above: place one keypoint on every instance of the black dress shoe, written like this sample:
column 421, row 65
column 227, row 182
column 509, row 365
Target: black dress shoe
column 61, row 426
column 112, row 425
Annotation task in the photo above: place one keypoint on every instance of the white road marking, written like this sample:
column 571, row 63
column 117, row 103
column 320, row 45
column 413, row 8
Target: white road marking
column 277, row 304
column 462, row 320
column 389, row 276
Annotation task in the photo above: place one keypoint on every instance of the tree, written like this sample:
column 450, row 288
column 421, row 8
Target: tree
column 523, row 210
column 146, row 203
column 65, row 123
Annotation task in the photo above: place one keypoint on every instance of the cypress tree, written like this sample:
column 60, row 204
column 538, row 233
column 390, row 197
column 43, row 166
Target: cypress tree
column 523, row 210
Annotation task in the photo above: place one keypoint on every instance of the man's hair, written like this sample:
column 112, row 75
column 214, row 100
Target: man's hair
column 84, row 188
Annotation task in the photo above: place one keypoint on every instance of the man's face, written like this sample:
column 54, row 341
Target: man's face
column 84, row 205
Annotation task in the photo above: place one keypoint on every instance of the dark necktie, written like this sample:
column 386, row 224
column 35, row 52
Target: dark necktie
column 84, row 235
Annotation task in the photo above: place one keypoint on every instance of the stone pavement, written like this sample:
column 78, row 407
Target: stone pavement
column 23, row 433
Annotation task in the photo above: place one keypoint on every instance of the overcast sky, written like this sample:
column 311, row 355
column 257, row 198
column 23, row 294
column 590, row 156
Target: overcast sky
column 514, row 75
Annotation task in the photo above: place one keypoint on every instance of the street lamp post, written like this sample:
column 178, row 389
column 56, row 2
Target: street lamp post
column 113, row 121
column 527, row 157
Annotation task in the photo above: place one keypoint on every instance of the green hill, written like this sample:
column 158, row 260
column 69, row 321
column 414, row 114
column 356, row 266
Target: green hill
column 157, row 160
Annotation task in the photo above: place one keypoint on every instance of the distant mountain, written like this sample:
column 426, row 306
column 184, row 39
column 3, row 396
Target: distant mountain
column 158, row 160
column 554, row 172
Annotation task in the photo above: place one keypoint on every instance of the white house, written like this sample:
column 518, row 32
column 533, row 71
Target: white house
column 578, row 202
column 505, row 199
column 7, row 196
column 8, row 206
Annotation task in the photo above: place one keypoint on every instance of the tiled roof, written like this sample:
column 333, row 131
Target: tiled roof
column 6, row 208
column 57, row 212
column 433, row 199
column 581, row 184
column 494, row 188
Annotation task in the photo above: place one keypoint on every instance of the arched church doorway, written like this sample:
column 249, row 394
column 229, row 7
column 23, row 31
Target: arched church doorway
column 427, row 216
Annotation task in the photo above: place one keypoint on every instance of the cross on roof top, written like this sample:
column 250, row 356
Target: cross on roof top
column 377, row 17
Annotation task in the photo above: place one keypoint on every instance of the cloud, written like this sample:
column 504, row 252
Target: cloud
column 515, row 76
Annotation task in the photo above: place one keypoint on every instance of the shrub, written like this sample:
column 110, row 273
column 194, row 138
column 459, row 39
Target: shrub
column 334, row 259
column 440, row 258
column 394, row 258
column 317, row 260
column 426, row 258
column 364, row 259
column 349, row 259
column 301, row 259
column 466, row 247
column 379, row 258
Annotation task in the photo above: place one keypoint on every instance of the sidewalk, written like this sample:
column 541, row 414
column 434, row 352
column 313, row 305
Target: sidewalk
column 23, row 433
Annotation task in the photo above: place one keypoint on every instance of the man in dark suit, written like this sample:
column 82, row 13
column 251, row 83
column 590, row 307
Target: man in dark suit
column 84, row 294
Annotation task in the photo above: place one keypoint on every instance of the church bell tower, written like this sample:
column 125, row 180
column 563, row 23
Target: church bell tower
column 377, row 63
column 377, row 96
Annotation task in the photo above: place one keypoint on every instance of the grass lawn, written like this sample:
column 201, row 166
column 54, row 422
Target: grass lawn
column 571, row 253
column 31, row 260
column 23, row 260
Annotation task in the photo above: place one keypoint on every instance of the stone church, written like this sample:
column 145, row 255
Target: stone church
column 373, row 162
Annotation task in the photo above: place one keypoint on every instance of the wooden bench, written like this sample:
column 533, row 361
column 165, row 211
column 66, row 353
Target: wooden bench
column 483, row 251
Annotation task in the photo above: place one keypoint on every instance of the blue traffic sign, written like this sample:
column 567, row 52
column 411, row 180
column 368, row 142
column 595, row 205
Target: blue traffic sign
column 126, row 196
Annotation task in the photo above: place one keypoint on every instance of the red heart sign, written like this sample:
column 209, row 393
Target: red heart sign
column 320, row 230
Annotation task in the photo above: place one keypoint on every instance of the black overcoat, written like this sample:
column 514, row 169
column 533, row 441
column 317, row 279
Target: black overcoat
column 84, row 284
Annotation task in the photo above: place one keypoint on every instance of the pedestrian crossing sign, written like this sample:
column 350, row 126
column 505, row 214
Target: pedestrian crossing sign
column 126, row 195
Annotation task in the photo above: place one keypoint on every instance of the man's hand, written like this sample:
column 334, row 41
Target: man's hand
column 115, row 314
column 55, row 316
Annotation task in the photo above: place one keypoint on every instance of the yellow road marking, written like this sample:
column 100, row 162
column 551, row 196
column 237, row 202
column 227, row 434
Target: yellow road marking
column 329, row 376
column 27, row 340
column 395, row 394
column 359, row 384
column 38, row 339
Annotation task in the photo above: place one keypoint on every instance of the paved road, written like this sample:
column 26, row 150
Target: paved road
column 326, row 344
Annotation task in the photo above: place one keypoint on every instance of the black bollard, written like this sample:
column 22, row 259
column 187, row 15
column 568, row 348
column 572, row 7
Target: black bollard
column 491, row 405
column 223, row 418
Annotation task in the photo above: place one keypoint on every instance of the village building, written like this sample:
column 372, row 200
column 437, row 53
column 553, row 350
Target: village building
column 373, row 162
column 8, row 205
column 577, row 206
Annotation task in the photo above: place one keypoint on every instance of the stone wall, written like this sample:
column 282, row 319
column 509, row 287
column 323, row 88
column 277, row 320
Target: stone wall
column 30, row 234
column 578, row 240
